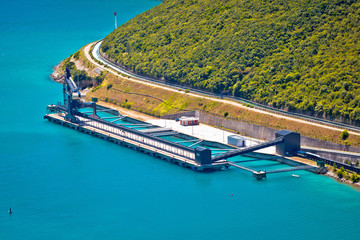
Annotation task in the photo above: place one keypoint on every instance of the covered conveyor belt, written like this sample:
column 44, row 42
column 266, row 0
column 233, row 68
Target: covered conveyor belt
column 70, row 82
column 248, row 149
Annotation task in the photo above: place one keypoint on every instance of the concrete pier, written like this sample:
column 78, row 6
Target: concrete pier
column 147, row 139
column 180, row 155
column 198, row 159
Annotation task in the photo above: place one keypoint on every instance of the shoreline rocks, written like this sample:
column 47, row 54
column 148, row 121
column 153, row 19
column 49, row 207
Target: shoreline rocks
column 57, row 75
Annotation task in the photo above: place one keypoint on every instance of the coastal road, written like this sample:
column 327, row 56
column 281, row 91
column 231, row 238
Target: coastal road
column 114, row 69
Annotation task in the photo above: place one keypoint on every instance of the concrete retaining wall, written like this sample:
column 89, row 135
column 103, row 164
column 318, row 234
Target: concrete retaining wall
column 256, row 131
column 182, row 114
column 339, row 157
column 243, row 128
column 313, row 142
column 267, row 133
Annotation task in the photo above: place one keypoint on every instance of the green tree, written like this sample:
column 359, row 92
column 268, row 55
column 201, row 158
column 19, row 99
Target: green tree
column 340, row 173
column 344, row 135
column 354, row 177
column 334, row 167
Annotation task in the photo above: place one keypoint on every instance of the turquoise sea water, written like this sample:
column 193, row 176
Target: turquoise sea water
column 62, row 184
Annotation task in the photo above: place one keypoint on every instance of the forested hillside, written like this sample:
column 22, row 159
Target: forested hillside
column 299, row 55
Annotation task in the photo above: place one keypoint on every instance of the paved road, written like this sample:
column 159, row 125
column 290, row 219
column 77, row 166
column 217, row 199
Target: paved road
column 229, row 100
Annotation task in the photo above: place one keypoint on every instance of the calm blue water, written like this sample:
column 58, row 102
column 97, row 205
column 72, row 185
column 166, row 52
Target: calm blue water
column 65, row 185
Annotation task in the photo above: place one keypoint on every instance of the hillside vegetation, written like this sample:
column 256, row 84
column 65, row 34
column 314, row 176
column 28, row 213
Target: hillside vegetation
column 299, row 55
column 157, row 102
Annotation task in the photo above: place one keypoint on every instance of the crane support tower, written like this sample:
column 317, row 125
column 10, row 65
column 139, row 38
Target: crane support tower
column 72, row 98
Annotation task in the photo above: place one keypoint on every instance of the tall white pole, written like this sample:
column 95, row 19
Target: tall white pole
column 115, row 20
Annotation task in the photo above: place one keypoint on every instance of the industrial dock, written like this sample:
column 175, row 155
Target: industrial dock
column 161, row 142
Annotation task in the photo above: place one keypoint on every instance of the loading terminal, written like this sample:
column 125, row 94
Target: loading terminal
column 147, row 138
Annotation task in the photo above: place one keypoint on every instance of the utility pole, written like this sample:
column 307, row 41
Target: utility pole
column 222, row 123
column 223, row 135
column 115, row 20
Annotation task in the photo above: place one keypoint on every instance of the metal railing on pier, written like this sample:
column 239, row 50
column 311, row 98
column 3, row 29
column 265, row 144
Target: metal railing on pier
column 137, row 136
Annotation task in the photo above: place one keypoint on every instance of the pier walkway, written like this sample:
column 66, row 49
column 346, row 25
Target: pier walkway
column 262, row 174
column 143, row 142
column 143, row 138
column 292, row 169
column 241, row 167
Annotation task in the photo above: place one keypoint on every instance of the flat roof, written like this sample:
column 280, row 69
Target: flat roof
column 189, row 118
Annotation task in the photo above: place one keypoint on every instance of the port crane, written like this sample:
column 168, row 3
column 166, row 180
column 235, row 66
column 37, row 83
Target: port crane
column 72, row 98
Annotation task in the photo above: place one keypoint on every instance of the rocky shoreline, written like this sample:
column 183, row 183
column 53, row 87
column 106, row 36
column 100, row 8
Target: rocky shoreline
column 342, row 180
column 57, row 75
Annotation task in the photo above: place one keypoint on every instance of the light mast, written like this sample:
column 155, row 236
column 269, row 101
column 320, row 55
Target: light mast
column 115, row 20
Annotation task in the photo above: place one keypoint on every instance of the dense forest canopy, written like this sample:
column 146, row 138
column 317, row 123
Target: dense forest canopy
column 299, row 55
